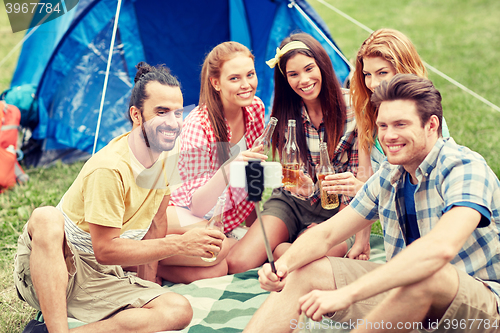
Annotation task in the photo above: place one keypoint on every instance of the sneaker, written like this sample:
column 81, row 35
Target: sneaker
column 35, row 326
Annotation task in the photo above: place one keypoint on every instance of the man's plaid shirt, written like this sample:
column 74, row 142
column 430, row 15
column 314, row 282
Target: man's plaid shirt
column 450, row 174
column 198, row 160
column 346, row 154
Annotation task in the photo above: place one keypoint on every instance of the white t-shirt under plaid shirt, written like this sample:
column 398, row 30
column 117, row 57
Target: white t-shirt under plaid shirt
column 198, row 160
column 450, row 174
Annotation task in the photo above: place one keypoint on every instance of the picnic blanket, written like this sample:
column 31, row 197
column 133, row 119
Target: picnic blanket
column 226, row 304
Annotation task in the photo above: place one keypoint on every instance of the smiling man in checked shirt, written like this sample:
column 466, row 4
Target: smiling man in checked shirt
column 439, row 204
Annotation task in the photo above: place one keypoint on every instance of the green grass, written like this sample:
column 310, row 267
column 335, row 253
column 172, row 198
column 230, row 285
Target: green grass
column 45, row 187
column 458, row 37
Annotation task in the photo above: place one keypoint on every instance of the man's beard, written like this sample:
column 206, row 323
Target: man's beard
column 152, row 142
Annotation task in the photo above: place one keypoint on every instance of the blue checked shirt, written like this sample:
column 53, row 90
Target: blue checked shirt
column 449, row 174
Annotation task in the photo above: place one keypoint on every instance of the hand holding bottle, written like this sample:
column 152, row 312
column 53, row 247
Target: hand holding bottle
column 325, row 170
column 342, row 183
column 253, row 153
column 201, row 242
column 304, row 185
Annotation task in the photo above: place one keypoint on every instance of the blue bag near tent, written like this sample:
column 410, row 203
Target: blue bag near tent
column 72, row 52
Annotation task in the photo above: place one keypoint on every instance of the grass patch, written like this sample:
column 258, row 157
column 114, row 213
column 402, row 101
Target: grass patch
column 14, row 314
column 45, row 187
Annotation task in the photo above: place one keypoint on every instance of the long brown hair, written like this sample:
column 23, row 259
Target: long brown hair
column 394, row 47
column 288, row 105
column 210, row 97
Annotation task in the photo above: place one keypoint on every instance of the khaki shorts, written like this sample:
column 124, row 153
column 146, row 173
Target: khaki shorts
column 94, row 291
column 474, row 308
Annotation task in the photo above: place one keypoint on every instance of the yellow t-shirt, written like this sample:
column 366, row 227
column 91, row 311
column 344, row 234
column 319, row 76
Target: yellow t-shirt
column 113, row 189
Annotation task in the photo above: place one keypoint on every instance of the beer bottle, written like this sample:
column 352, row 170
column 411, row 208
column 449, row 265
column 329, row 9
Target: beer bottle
column 290, row 157
column 265, row 138
column 328, row 201
column 217, row 222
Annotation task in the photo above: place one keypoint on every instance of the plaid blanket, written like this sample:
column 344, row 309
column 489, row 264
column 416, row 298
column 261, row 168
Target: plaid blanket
column 226, row 304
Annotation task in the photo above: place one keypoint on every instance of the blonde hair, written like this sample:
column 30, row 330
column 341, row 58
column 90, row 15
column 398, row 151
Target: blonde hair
column 397, row 49
column 210, row 97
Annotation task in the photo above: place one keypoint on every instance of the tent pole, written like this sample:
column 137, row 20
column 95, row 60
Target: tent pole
column 110, row 56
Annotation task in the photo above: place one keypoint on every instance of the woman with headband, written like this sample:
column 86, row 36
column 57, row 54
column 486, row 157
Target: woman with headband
column 306, row 89
column 384, row 54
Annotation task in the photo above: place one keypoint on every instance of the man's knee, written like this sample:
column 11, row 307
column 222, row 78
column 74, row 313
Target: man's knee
column 46, row 223
column 315, row 275
column 175, row 306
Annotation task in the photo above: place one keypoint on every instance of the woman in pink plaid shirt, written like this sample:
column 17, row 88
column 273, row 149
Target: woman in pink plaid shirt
column 225, row 124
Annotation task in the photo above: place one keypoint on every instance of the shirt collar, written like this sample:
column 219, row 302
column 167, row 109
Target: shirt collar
column 426, row 167
column 304, row 114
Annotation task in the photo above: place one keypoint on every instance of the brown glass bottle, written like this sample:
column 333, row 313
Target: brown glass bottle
column 328, row 201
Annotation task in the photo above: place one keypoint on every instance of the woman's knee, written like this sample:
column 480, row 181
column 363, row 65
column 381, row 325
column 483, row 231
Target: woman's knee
column 241, row 260
column 209, row 272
